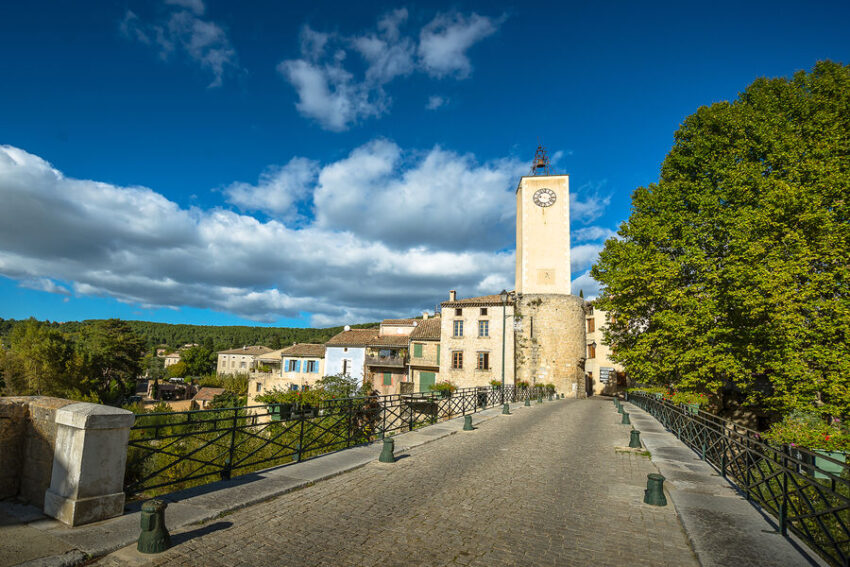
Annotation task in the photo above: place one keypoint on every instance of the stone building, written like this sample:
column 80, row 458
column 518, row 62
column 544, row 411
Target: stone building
column 294, row 367
column 470, row 351
column 605, row 376
column 425, row 354
column 239, row 360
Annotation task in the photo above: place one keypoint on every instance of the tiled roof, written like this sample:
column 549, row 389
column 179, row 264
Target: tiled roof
column 354, row 337
column 475, row 301
column 390, row 341
column 248, row 350
column 305, row 349
column 207, row 394
column 427, row 330
column 398, row 322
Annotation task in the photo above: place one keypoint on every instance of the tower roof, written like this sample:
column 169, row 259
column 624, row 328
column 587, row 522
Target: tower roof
column 541, row 165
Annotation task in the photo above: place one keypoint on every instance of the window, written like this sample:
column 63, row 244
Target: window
column 590, row 309
column 417, row 350
column 483, row 311
column 591, row 325
column 293, row 365
column 242, row 364
column 483, row 361
column 458, row 312
column 344, row 349
column 591, row 350
column 345, row 367
column 312, row 366
column 259, row 387
column 458, row 329
column 388, row 379
column 457, row 359
column 483, row 328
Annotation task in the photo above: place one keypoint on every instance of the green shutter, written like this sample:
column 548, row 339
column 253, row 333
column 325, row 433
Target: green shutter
column 426, row 379
column 417, row 350
column 388, row 379
column 438, row 354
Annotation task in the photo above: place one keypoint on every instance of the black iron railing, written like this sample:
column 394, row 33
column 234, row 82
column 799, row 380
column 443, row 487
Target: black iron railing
column 807, row 491
column 172, row 451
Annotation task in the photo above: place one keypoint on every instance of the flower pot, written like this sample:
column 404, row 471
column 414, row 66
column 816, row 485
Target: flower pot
column 445, row 394
column 822, row 464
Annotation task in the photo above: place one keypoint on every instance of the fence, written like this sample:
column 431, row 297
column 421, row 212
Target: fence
column 807, row 491
column 172, row 451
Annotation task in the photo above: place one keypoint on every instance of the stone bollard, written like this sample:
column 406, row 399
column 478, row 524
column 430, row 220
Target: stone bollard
column 387, row 453
column 506, row 409
column 154, row 537
column 654, row 493
column 467, row 423
column 634, row 442
column 626, row 420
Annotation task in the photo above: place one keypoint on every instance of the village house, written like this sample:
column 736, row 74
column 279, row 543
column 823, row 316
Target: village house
column 296, row 367
column 345, row 353
column 470, row 351
column 387, row 355
column 604, row 376
column 205, row 396
column 424, row 365
column 239, row 360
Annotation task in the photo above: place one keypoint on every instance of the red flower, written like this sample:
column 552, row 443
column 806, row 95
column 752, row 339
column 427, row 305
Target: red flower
column 827, row 437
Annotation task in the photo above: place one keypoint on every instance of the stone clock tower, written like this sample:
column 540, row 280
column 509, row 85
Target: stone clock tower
column 549, row 321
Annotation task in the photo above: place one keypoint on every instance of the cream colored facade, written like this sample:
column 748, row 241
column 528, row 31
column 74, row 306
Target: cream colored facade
column 424, row 366
column 543, row 235
column 475, row 347
column 599, row 355
column 239, row 360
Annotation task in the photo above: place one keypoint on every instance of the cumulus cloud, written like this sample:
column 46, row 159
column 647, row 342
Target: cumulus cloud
column 592, row 233
column 586, row 203
column 183, row 31
column 335, row 94
column 389, row 231
column 587, row 285
column 279, row 191
column 443, row 43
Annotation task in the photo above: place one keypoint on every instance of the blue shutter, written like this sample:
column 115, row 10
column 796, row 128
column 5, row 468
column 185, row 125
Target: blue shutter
column 298, row 366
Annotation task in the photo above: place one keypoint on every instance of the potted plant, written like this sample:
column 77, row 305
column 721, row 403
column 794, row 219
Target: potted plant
column 496, row 384
column 691, row 400
column 445, row 389
column 810, row 431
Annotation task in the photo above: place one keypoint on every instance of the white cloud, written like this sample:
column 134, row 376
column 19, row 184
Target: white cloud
column 591, row 233
column 587, row 285
column 183, row 30
column 134, row 245
column 583, row 256
column 435, row 102
column 44, row 284
column 331, row 90
column 279, row 190
column 586, row 204
column 444, row 41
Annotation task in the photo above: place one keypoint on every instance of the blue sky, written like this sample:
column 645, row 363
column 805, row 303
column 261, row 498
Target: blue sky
column 327, row 163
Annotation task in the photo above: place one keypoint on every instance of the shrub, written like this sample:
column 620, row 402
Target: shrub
column 444, row 386
column 810, row 431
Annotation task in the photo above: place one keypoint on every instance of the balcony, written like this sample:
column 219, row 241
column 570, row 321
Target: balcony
column 386, row 361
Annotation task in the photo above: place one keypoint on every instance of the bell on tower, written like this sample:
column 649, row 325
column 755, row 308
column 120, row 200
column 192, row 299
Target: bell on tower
column 541, row 162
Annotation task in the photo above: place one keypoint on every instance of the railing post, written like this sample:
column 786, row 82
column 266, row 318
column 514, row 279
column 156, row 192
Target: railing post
column 228, row 463
column 783, row 507
column 300, row 445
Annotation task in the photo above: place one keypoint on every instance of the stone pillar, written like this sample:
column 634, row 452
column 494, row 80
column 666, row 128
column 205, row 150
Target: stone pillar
column 88, row 463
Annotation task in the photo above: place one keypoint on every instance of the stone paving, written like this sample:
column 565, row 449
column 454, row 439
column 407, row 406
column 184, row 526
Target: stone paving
column 545, row 486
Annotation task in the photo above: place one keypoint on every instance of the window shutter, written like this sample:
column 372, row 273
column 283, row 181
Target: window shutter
column 388, row 379
column 417, row 350
column 298, row 366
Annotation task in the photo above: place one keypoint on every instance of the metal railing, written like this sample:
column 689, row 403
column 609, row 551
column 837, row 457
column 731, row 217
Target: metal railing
column 807, row 491
column 173, row 451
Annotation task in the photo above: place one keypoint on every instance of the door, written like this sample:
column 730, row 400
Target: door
column 426, row 379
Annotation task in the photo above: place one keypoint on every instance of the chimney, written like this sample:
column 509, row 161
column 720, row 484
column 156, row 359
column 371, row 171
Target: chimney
column 424, row 315
column 452, row 295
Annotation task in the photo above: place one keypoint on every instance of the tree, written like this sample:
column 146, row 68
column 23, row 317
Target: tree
column 112, row 358
column 40, row 361
column 177, row 370
column 732, row 270
column 199, row 360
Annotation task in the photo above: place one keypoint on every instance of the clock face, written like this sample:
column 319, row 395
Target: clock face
column 544, row 197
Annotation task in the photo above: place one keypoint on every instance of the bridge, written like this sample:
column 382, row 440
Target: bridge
column 551, row 484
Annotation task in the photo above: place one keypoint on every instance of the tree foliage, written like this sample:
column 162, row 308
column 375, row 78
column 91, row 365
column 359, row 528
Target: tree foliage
column 732, row 271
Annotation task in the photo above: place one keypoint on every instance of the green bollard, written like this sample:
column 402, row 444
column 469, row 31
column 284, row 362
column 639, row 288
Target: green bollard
column 539, row 399
column 387, row 455
column 562, row 396
column 626, row 420
column 527, row 402
column 506, row 409
column 620, row 408
column 654, row 493
column 467, row 423
column 154, row 537
column 634, row 442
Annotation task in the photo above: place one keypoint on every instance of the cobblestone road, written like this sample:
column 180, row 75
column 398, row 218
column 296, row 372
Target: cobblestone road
column 542, row 487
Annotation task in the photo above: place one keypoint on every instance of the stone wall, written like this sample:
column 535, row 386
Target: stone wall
column 27, row 439
column 550, row 347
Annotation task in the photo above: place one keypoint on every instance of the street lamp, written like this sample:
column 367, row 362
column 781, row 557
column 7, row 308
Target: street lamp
column 504, row 295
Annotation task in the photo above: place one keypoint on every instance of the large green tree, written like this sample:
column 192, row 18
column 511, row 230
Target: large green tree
column 40, row 361
column 734, row 269
column 111, row 356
